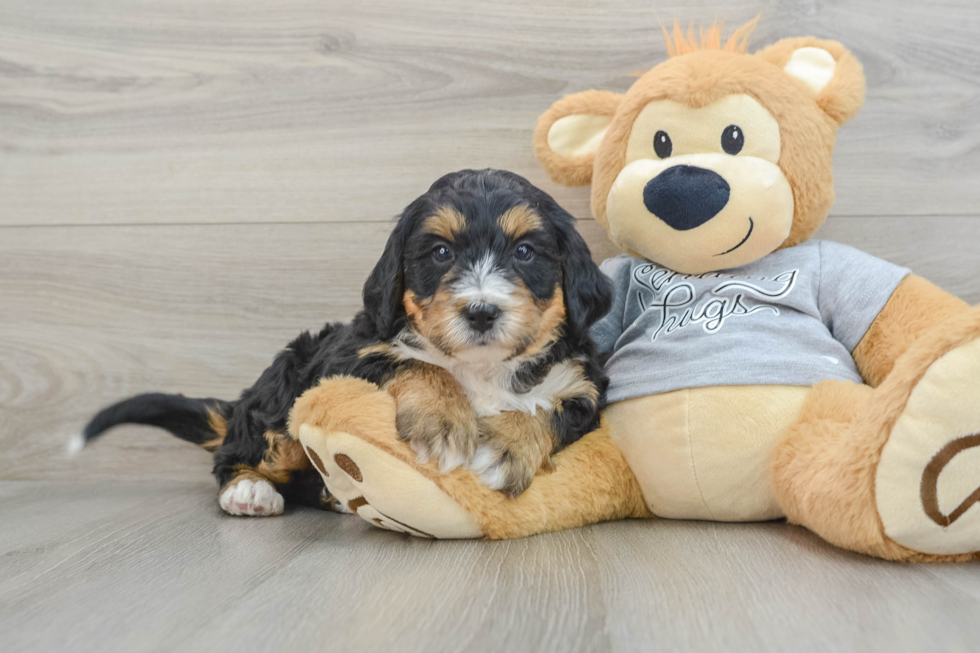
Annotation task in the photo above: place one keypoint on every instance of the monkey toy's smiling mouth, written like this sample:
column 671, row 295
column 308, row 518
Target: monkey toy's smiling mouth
column 697, row 213
column 741, row 242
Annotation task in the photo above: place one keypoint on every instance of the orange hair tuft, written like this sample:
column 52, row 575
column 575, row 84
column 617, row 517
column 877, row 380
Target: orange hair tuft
column 710, row 39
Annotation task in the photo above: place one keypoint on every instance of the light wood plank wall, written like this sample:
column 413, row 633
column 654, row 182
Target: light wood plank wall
column 186, row 184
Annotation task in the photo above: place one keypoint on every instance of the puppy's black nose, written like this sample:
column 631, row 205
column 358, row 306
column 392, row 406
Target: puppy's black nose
column 481, row 316
column 686, row 197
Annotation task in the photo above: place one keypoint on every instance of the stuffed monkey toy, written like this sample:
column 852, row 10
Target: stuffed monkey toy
column 754, row 373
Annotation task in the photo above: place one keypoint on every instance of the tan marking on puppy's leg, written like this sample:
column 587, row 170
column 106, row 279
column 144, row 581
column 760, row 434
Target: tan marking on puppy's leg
column 283, row 457
column 219, row 425
column 246, row 493
column 433, row 415
column 519, row 221
column 513, row 447
column 445, row 223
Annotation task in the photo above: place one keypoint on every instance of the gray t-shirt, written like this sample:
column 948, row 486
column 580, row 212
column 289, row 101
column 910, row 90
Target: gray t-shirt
column 791, row 318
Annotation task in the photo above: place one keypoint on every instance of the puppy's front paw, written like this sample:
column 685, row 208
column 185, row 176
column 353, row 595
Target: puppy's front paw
column 513, row 447
column 449, row 435
column 251, row 498
column 501, row 469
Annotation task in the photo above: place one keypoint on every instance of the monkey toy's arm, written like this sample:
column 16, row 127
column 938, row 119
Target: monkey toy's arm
column 915, row 308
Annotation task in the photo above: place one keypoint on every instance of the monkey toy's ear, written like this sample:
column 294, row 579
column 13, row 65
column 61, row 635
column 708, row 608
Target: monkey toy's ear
column 569, row 133
column 832, row 75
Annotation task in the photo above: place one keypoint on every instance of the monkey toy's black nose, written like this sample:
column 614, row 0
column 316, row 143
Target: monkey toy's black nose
column 481, row 316
column 686, row 197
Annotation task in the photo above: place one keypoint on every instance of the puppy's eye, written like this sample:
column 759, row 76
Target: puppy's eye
column 732, row 139
column 442, row 254
column 662, row 145
column 524, row 253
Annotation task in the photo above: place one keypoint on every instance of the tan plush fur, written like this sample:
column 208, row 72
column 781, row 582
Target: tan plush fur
column 344, row 403
column 576, row 171
column 915, row 308
column 824, row 469
column 702, row 74
column 705, row 76
column 843, row 96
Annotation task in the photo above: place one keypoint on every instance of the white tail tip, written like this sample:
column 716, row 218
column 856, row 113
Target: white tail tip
column 75, row 445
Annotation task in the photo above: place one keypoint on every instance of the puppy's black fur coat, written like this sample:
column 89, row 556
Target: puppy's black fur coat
column 480, row 196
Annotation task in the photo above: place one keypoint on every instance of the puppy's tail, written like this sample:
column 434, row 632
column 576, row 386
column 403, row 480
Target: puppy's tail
column 201, row 421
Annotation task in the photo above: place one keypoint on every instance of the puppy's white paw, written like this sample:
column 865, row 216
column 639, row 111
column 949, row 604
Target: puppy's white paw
column 488, row 466
column 502, row 470
column 251, row 498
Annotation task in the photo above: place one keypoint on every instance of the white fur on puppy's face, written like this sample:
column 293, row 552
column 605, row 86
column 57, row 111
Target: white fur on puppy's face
column 483, row 283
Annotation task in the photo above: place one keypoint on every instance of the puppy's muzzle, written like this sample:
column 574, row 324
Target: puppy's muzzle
column 481, row 317
column 686, row 196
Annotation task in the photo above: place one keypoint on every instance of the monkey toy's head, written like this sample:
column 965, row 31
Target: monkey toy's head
column 715, row 157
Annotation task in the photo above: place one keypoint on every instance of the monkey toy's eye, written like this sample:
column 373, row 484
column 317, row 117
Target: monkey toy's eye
column 442, row 254
column 732, row 139
column 524, row 253
column 662, row 145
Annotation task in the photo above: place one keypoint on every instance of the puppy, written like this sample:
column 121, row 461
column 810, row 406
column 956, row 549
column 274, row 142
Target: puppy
column 476, row 320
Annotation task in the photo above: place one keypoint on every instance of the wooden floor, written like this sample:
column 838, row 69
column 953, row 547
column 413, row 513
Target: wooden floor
column 156, row 567
column 186, row 184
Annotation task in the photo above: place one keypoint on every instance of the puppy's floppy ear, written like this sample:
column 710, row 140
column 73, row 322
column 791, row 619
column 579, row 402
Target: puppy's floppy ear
column 827, row 68
column 385, row 286
column 588, row 292
column 569, row 133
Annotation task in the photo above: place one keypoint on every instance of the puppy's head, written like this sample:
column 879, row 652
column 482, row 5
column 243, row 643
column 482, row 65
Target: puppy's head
column 485, row 266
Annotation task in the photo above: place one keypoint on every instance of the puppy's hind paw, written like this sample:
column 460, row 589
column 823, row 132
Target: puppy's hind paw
column 251, row 498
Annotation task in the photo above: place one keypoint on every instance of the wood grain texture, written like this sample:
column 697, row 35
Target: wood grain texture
column 157, row 567
column 190, row 111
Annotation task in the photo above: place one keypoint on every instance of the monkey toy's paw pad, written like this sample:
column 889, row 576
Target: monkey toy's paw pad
column 928, row 478
column 379, row 483
column 251, row 498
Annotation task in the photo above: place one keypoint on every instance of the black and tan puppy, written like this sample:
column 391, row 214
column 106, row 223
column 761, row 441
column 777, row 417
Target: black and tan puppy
column 476, row 320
